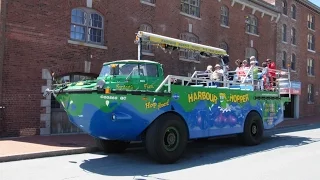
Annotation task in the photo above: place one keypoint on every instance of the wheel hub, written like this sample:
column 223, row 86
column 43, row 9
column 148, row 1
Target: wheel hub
column 171, row 139
column 254, row 129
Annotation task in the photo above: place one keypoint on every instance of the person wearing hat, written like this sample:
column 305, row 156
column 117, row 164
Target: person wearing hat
column 217, row 74
column 254, row 71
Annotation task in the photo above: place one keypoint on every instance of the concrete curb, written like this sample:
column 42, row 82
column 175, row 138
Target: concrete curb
column 48, row 154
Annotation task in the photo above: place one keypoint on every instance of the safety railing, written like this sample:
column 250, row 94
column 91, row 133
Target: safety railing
column 231, row 80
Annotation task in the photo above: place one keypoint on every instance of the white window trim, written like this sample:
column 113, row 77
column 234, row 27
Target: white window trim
column 190, row 16
column 147, row 3
column 87, row 44
column 253, row 34
column 224, row 26
column 312, row 51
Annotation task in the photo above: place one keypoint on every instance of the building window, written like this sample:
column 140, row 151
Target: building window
column 284, row 33
column 284, row 8
column 191, row 7
column 293, row 11
column 311, row 21
column 293, row 62
column 224, row 16
column 149, row 1
column 86, row 26
column 311, row 42
column 310, row 68
column 251, row 24
column 284, row 60
column 146, row 47
column 251, row 52
column 185, row 54
column 224, row 46
column 310, row 93
column 293, row 36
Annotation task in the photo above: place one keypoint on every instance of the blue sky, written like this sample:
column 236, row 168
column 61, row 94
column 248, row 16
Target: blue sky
column 316, row 2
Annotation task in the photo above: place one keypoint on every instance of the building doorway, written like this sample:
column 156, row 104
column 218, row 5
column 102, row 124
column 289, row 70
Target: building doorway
column 289, row 108
column 60, row 123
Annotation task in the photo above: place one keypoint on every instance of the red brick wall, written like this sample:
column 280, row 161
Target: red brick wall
column 301, row 51
column 37, row 34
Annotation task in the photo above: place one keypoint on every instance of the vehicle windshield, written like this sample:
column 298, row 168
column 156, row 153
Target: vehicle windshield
column 133, row 69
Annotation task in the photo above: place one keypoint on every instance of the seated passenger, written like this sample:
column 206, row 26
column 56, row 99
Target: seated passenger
column 217, row 74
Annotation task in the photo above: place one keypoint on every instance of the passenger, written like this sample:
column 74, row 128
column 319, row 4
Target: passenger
column 254, row 73
column 208, row 73
column 209, row 69
column 217, row 75
column 272, row 71
column 265, row 77
column 239, row 71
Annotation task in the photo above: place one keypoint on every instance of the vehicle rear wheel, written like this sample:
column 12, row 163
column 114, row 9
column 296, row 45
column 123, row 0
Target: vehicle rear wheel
column 253, row 130
column 111, row 146
column 166, row 139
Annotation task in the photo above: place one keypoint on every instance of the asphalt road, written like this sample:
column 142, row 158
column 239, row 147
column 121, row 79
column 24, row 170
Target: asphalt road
column 288, row 154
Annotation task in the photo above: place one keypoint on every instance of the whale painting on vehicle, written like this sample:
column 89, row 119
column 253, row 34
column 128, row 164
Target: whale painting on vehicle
column 131, row 100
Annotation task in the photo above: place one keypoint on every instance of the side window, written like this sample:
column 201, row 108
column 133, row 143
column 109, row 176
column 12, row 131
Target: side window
column 150, row 70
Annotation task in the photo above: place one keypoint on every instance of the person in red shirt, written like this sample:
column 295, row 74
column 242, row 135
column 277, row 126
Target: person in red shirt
column 272, row 67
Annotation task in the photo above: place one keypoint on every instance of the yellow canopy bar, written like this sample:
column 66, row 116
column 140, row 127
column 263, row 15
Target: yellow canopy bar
column 158, row 39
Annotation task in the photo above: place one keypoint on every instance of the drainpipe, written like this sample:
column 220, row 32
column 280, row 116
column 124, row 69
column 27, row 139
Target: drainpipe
column 3, row 12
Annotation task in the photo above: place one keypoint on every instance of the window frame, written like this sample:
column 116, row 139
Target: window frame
column 224, row 16
column 293, row 11
column 188, row 3
column 248, row 53
column 284, row 60
column 284, row 33
column 185, row 54
column 293, row 61
column 87, row 25
column 310, row 93
column 293, row 36
column 144, row 27
column 310, row 67
column 251, row 24
column 284, row 7
column 311, row 22
column 311, row 42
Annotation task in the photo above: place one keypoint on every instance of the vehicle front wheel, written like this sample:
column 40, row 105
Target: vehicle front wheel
column 166, row 138
column 253, row 130
column 111, row 146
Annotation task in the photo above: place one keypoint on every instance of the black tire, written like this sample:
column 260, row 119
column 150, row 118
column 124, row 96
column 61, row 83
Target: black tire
column 110, row 146
column 166, row 138
column 253, row 130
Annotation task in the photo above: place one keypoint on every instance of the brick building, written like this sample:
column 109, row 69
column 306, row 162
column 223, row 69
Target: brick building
column 72, row 38
column 296, row 37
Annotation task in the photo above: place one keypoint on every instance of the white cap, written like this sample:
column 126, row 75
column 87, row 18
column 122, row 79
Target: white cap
column 217, row 65
column 252, row 57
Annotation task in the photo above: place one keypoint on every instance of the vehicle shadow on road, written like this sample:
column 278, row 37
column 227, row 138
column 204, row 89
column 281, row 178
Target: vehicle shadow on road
column 135, row 162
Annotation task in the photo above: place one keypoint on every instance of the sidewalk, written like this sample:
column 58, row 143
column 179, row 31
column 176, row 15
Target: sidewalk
column 20, row 148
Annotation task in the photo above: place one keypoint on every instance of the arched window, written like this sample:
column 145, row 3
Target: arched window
column 189, row 55
column 293, row 11
column 284, row 33
column 87, row 26
column 146, row 47
column 251, row 24
column 251, row 52
column 293, row 62
column 293, row 36
column 224, row 46
column 224, row 19
column 284, row 60
column 284, row 8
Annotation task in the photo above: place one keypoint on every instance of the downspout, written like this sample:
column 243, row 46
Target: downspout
column 3, row 9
